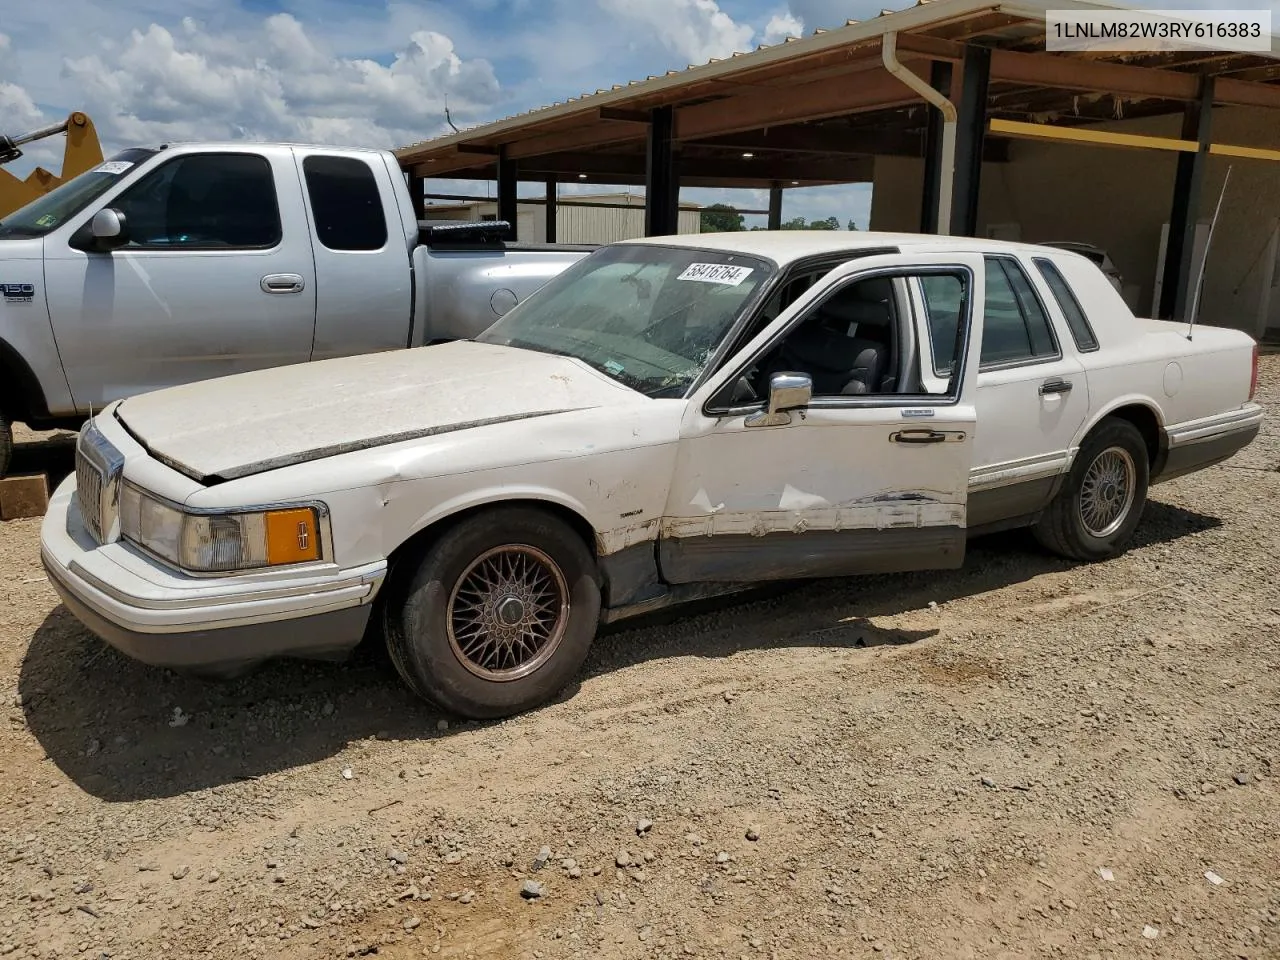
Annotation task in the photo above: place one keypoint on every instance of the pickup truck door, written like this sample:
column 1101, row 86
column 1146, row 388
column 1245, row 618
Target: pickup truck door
column 364, row 294
column 1032, row 396
column 217, row 277
column 846, row 483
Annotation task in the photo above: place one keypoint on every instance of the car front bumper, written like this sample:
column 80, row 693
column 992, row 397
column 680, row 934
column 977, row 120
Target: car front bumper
column 207, row 624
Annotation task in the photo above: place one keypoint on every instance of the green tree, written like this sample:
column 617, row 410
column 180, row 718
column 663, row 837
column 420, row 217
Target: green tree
column 852, row 226
column 831, row 223
column 795, row 223
column 721, row 218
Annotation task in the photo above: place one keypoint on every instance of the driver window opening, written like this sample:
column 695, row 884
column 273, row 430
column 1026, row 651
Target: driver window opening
column 848, row 344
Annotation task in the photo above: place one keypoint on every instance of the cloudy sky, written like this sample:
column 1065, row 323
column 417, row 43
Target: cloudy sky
column 369, row 72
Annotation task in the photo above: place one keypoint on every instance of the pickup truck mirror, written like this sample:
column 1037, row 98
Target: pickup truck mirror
column 109, row 229
column 105, row 232
column 787, row 391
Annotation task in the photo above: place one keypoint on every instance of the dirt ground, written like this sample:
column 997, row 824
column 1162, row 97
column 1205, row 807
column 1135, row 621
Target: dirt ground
column 1023, row 758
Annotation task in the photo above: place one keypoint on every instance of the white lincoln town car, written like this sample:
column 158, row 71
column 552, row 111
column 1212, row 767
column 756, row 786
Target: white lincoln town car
column 665, row 419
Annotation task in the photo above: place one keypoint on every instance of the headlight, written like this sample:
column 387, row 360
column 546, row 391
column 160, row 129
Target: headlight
column 211, row 543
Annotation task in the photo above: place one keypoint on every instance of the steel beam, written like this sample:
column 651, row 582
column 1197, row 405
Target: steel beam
column 553, row 201
column 775, row 207
column 417, row 193
column 817, row 100
column 661, row 181
column 1177, row 282
column 508, row 177
column 971, row 126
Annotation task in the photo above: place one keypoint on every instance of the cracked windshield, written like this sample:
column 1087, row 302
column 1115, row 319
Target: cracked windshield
column 648, row 316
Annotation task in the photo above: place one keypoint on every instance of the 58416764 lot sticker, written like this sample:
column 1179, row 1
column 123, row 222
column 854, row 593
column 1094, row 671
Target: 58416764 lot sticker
column 724, row 273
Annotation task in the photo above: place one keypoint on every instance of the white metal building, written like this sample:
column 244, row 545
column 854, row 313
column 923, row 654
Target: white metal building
column 589, row 218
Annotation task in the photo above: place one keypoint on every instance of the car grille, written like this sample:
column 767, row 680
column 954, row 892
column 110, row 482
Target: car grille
column 89, row 495
column 98, row 469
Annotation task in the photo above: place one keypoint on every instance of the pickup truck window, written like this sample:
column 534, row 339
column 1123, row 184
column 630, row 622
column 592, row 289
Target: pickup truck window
column 47, row 213
column 204, row 201
column 345, row 203
column 645, row 315
column 1077, row 322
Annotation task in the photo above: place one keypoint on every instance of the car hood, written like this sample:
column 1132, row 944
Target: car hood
column 249, row 423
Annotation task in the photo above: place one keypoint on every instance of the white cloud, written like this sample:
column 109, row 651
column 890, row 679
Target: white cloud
column 275, row 82
column 695, row 30
column 781, row 26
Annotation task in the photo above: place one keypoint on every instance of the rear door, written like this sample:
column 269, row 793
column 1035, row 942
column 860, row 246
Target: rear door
column 217, row 278
column 363, row 281
column 848, row 483
column 1032, row 395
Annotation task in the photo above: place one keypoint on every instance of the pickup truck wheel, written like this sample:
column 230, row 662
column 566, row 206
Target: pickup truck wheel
column 6, row 444
column 499, row 615
column 1102, row 500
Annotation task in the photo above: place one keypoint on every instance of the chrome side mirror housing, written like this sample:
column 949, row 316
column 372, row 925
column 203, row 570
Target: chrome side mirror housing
column 787, row 392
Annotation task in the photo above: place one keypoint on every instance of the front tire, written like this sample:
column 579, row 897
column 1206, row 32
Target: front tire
column 498, row 616
column 1094, row 515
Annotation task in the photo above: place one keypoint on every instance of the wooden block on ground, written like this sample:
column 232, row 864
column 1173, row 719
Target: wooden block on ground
column 25, row 495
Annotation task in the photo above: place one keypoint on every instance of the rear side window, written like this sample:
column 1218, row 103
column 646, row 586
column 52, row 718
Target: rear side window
column 1081, row 332
column 1015, row 327
column 345, row 203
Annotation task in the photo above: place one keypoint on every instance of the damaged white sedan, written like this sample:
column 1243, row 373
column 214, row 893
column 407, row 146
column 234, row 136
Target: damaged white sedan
column 666, row 419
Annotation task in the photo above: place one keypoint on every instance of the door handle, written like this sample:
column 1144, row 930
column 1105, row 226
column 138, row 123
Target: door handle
column 1050, row 387
column 282, row 283
column 926, row 436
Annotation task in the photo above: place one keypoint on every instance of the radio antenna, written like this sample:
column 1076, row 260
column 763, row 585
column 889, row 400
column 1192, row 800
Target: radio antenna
column 1204, row 260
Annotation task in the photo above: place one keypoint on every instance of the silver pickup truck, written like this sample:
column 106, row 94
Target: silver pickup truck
column 187, row 262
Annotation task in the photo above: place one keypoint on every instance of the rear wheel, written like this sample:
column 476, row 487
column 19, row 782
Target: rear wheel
column 6, row 444
column 1094, row 515
column 498, row 616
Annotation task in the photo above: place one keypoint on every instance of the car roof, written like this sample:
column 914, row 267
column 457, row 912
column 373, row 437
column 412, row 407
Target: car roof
column 786, row 246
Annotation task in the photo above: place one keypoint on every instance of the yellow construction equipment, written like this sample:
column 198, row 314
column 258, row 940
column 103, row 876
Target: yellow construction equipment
column 82, row 152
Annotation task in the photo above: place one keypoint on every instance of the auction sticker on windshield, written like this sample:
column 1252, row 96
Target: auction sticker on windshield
column 716, row 273
column 113, row 166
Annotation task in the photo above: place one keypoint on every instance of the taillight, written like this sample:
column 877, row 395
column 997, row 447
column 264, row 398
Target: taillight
column 1253, row 379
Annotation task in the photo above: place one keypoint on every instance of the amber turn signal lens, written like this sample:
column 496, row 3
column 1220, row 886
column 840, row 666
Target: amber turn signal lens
column 292, row 536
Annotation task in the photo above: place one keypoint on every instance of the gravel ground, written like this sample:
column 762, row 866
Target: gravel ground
column 1024, row 758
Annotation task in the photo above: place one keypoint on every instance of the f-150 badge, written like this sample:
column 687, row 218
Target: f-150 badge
column 18, row 292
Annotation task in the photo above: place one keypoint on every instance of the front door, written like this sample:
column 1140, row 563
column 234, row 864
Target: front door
column 217, row 278
column 870, row 475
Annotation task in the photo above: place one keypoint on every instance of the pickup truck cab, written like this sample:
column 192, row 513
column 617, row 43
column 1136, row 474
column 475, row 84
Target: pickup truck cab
column 179, row 263
column 666, row 419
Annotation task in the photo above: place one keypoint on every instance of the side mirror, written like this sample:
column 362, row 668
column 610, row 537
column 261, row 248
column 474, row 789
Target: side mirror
column 105, row 232
column 109, row 228
column 787, row 391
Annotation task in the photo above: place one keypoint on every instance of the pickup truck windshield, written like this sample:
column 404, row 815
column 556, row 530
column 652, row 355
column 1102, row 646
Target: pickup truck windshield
column 647, row 316
column 49, row 212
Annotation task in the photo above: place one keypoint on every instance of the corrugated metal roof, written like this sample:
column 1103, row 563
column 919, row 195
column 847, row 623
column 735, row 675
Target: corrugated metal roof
column 923, row 14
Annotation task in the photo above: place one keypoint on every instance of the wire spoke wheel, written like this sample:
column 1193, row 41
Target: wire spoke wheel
column 1108, row 491
column 508, row 612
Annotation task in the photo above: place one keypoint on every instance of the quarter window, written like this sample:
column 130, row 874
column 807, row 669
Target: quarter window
column 345, row 203
column 204, row 201
column 943, row 302
column 1078, row 323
